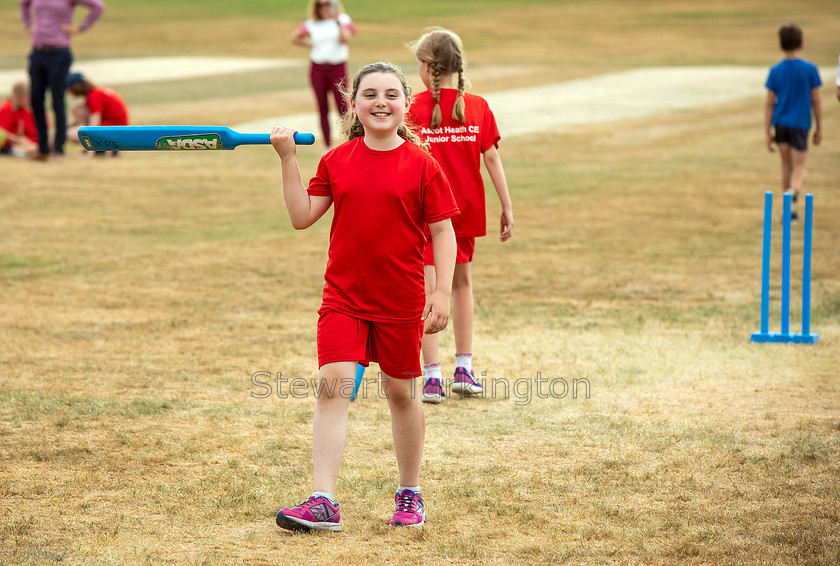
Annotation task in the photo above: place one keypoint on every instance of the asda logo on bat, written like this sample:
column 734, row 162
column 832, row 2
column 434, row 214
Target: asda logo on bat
column 205, row 141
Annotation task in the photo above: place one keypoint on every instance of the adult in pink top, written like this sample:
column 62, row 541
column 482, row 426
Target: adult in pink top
column 50, row 23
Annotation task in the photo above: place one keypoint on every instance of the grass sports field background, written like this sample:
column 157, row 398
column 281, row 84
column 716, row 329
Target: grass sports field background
column 140, row 296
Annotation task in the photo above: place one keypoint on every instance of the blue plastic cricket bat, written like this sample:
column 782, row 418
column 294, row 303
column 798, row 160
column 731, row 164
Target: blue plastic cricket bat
column 360, row 373
column 190, row 138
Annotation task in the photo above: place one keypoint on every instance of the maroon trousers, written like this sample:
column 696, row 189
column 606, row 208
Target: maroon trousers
column 326, row 79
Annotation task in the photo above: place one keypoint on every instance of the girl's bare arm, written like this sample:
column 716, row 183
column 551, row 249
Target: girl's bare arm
column 493, row 163
column 436, row 311
column 304, row 209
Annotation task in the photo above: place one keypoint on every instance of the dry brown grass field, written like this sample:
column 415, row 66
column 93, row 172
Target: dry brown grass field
column 138, row 297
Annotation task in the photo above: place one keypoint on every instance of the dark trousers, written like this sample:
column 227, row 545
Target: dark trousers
column 326, row 80
column 48, row 70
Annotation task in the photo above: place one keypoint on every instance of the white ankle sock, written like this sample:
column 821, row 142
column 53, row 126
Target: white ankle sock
column 401, row 488
column 464, row 360
column 330, row 496
column 432, row 370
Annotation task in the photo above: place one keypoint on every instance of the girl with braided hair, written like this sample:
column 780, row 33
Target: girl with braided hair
column 460, row 128
column 384, row 190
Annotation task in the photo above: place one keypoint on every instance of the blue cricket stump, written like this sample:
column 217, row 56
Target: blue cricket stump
column 785, row 336
column 360, row 373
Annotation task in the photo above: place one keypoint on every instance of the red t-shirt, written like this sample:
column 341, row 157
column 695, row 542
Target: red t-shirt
column 103, row 100
column 20, row 121
column 458, row 147
column 383, row 201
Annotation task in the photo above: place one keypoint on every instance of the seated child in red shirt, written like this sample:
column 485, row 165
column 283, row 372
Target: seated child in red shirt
column 101, row 107
column 18, row 135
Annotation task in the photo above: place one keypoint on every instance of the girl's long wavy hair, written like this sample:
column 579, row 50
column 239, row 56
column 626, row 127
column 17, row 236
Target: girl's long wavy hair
column 351, row 126
column 443, row 51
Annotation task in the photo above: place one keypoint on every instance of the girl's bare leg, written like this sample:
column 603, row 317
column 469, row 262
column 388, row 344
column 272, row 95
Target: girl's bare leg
column 329, row 428
column 408, row 426
column 463, row 307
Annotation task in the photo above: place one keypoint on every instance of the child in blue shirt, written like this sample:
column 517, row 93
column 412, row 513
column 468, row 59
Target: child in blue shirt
column 793, row 92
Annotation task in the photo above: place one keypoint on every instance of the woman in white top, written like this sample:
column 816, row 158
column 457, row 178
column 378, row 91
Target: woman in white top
column 326, row 33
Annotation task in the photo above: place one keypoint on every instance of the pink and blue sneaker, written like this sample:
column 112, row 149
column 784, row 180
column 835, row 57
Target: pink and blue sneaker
column 433, row 391
column 411, row 512
column 316, row 513
column 465, row 382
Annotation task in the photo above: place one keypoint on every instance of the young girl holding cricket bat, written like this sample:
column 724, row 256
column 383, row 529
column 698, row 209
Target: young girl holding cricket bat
column 385, row 189
column 460, row 128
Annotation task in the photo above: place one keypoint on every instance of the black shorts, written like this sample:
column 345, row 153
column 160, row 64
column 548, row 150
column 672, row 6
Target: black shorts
column 794, row 137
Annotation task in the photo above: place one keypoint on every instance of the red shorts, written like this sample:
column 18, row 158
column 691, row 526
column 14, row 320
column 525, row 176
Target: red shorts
column 466, row 249
column 394, row 346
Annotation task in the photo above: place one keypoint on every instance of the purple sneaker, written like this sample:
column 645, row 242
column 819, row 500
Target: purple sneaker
column 433, row 391
column 465, row 383
column 316, row 513
column 411, row 512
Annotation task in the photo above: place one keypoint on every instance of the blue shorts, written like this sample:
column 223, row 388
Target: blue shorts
column 794, row 137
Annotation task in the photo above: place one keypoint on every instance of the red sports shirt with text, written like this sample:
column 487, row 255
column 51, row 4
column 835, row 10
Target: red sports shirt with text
column 382, row 202
column 458, row 147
